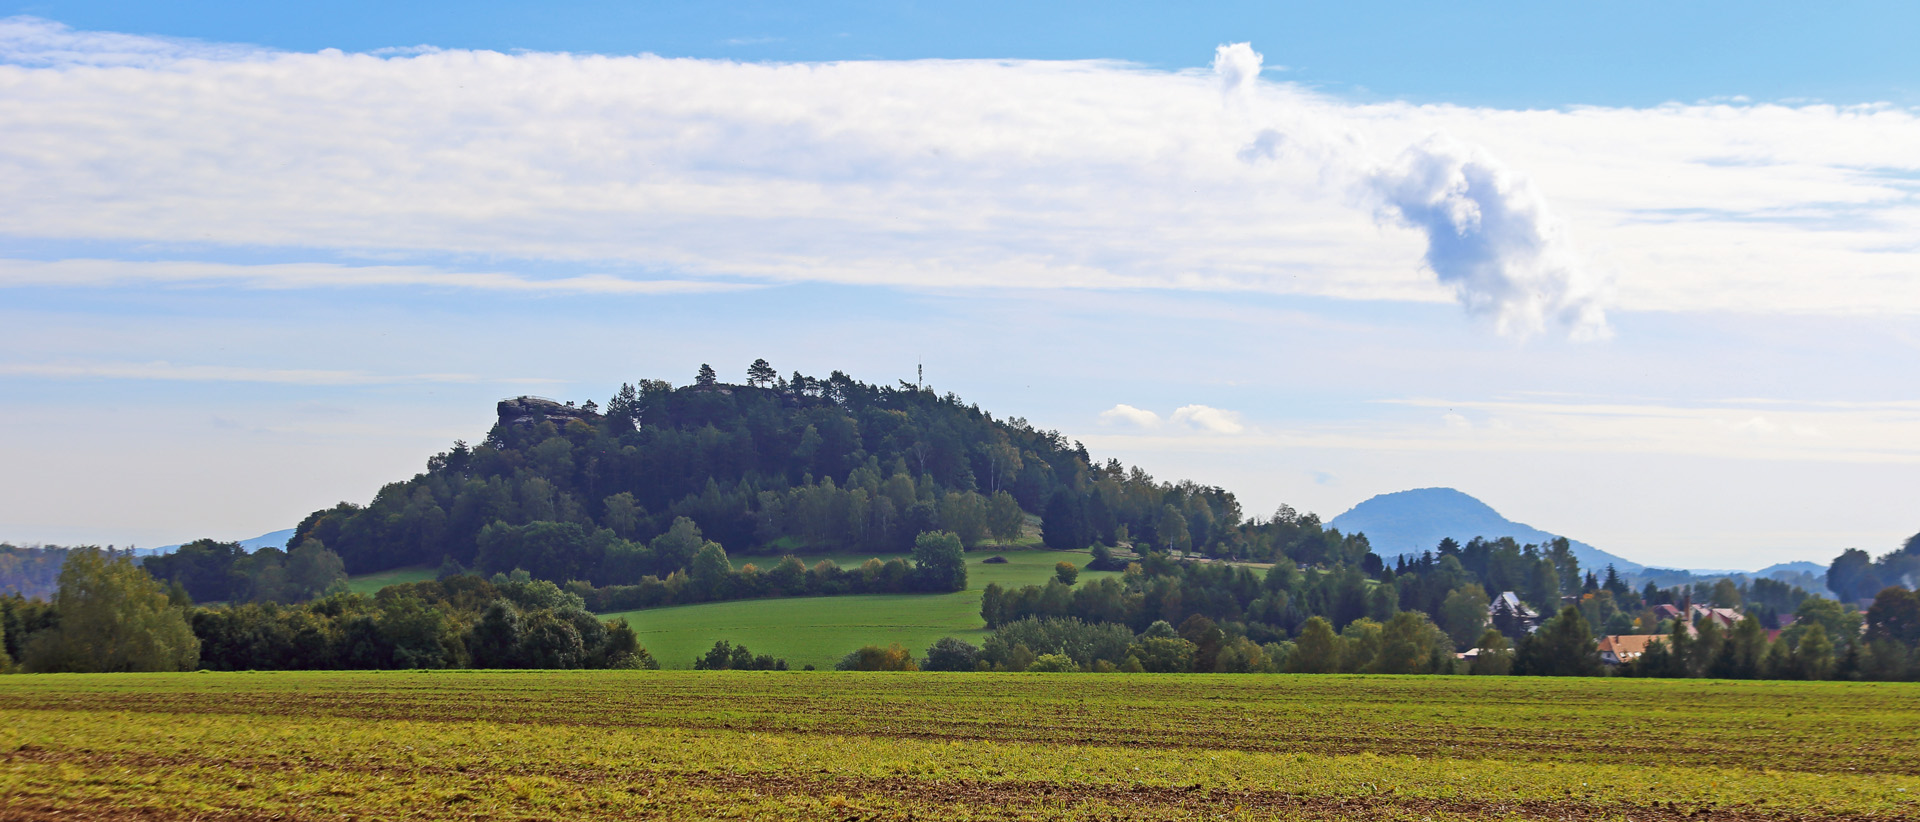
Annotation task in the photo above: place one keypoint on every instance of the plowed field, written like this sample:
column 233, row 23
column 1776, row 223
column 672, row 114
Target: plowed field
column 728, row 745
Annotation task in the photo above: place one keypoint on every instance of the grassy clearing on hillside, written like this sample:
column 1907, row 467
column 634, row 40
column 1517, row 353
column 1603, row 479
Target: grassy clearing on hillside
column 372, row 583
column 674, row 745
column 819, row 630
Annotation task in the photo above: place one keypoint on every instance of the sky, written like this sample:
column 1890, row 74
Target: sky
column 1644, row 275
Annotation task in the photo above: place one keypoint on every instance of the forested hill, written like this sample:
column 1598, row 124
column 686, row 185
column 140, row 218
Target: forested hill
column 778, row 465
column 1409, row 523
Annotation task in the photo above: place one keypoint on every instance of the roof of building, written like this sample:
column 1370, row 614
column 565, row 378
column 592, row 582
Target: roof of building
column 1508, row 602
column 1628, row 646
column 1725, row 616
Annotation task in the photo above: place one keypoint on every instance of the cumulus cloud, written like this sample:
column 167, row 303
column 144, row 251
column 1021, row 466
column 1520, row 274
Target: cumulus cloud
column 1492, row 239
column 1208, row 419
column 1127, row 413
column 1490, row 235
column 1200, row 418
column 952, row 174
column 1238, row 66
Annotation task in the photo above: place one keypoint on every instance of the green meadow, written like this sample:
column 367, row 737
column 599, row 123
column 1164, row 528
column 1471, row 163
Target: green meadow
column 819, row 630
column 370, row 583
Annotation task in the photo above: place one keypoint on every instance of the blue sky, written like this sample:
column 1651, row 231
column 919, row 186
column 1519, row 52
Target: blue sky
column 1646, row 277
column 1474, row 52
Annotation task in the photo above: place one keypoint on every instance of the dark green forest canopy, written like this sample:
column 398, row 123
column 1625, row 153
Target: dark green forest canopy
column 799, row 465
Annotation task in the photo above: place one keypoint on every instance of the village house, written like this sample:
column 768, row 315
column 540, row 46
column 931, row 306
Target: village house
column 1511, row 616
column 1726, row 617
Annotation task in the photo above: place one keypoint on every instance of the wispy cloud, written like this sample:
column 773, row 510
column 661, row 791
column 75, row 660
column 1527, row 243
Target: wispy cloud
column 1209, row 419
column 956, row 174
column 160, row 370
column 1780, row 430
column 1200, row 418
column 1129, row 414
column 31, row 41
column 19, row 273
column 1882, row 433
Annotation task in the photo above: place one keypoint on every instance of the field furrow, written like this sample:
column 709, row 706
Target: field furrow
column 653, row 745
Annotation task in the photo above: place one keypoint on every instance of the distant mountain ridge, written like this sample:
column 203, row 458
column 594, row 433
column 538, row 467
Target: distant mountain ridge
column 276, row 539
column 1801, row 567
column 1409, row 522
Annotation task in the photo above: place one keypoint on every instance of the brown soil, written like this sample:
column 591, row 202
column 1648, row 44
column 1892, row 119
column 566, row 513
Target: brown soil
column 916, row 798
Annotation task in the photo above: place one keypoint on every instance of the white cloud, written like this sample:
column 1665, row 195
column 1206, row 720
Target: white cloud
column 161, row 370
column 29, row 41
column 956, row 174
column 1492, row 239
column 1853, row 432
column 1211, row 420
column 81, row 272
column 1238, row 67
column 1127, row 413
column 1885, row 433
column 1201, row 418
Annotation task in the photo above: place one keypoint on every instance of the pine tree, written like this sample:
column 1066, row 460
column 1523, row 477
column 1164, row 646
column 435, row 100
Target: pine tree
column 1564, row 646
column 761, row 374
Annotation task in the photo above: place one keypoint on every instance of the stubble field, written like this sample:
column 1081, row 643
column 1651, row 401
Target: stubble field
column 734, row 745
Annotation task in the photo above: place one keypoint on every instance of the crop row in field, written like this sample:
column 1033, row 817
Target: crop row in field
column 680, row 745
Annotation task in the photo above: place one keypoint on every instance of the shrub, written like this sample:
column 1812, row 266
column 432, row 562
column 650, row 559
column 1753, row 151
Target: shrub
column 1084, row 643
column 875, row 658
column 724, row 656
column 1066, row 572
column 949, row 654
column 1054, row 664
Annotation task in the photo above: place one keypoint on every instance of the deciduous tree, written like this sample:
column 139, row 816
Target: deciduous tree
column 1066, row 572
column 113, row 617
column 1317, row 650
column 940, row 562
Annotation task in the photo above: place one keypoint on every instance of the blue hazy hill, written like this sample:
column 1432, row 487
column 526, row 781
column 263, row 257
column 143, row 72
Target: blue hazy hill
column 1409, row 522
column 277, row 539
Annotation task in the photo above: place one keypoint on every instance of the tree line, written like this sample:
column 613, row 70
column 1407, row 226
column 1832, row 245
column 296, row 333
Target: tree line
column 1415, row 616
column 30, row 570
column 1857, row 576
column 1410, row 643
column 109, row 614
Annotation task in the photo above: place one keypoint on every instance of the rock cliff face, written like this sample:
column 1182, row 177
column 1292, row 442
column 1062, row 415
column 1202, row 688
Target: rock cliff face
column 533, row 410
